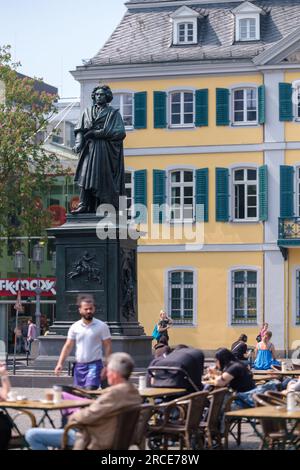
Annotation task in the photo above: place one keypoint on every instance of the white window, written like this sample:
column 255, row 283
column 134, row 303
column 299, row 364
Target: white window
column 245, row 106
column 247, row 29
column 296, row 99
column 244, row 297
column 181, row 109
column 181, row 199
column 181, row 296
column 247, row 22
column 124, row 102
column 185, row 25
column 185, row 33
column 245, row 187
column 129, row 191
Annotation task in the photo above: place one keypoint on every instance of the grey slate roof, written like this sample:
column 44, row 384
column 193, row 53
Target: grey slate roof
column 145, row 34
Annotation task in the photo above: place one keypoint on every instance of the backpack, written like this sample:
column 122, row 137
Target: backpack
column 155, row 333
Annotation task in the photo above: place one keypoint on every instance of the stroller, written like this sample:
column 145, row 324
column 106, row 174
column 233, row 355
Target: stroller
column 182, row 368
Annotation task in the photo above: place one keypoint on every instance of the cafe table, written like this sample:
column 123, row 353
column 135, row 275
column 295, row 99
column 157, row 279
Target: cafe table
column 148, row 393
column 293, row 373
column 41, row 405
column 271, row 412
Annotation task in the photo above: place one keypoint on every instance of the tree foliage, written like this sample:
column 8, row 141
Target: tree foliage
column 26, row 169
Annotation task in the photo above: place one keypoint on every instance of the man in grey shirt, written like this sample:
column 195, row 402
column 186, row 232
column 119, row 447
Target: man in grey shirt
column 92, row 338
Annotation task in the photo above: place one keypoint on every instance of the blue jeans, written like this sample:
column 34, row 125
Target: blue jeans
column 41, row 439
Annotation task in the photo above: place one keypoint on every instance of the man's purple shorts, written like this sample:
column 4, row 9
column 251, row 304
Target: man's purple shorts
column 87, row 375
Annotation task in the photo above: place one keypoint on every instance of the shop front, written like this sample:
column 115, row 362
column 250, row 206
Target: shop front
column 12, row 328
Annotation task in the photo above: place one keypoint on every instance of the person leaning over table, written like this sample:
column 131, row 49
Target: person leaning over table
column 99, row 420
column 230, row 372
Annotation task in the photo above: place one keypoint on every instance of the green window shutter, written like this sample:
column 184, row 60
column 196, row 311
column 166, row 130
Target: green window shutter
column 140, row 110
column 202, row 194
column 263, row 193
column 160, row 109
column 140, row 192
column 261, row 104
column 159, row 195
column 222, row 194
column 222, row 116
column 286, row 191
column 201, row 118
column 285, row 102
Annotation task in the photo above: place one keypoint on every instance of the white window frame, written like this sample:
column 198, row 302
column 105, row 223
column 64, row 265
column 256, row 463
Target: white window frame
column 297, row 191
column 186, row 34
column 247, row 16
column 121, row 93
column 296, row 100
column 232, row 193
column 167, row 294
column 131, row 171
column 184, row 14
column 295, row 299
column 182, row 124
column 169, row 172
column 230, row 296
column 245, row 122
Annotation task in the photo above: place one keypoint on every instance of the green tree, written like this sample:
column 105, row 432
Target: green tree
column 26, row 169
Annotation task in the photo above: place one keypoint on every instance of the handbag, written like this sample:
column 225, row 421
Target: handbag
column 155, row 333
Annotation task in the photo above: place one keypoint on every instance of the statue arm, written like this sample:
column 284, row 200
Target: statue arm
column 79, row 141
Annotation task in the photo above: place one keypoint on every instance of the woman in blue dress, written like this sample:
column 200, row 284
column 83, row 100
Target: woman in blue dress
column 265, row 353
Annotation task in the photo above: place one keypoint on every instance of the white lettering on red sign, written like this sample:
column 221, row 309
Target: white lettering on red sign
column 10, row 287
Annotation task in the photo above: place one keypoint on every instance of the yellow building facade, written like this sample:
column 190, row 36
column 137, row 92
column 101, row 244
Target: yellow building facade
column 212, row 122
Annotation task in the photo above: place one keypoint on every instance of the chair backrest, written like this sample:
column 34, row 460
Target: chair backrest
column 276, row 396
column 127, row 421
column 214, row 413
column 196, row 405
column 268, row 425
column 141, row 428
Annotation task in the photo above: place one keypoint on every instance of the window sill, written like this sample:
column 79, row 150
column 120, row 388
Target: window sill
column 183, row 325
column 245, row 124
column 129, row 128
column 181, row 126
column 254, row 221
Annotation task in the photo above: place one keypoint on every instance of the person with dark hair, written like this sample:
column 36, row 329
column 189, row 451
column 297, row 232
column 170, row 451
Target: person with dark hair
column 161, row 348
column 239, row 348
column 99, row 139
column 93, row 343
column 232, row 373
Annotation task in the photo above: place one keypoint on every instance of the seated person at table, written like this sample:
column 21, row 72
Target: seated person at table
column 99, row 418
column 239, row 348
column 5, row 426
column 161, row 348
column 265, row 354
column 231, row 372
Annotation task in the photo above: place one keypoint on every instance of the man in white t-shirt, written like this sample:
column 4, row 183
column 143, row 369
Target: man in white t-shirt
column 93, row 344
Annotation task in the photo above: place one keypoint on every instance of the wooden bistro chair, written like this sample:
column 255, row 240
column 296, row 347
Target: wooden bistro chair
column 179, row 419
column 17, row 440
column 210, row 428
column 274, row 431
column 126, row 425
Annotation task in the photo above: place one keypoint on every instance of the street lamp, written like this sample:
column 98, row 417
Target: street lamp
column 19, row 258
column 38, row 258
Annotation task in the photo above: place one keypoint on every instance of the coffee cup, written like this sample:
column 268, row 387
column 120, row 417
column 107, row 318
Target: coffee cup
column 12, row 395
column 49, row 395
column 283, row 366
column 142, row 382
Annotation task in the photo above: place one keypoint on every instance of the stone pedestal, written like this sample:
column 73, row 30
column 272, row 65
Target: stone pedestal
column 105, row 269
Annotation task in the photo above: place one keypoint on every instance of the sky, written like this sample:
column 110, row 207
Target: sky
column 51, row 37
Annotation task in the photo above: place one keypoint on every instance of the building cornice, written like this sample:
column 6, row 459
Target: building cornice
column 162, row 69
column 210, row 149
column 209, row 248
column 123, row 72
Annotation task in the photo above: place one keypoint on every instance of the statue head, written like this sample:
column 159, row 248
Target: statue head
column 104, row 89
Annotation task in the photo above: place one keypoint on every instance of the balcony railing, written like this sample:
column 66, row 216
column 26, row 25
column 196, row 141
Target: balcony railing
column 289, row 230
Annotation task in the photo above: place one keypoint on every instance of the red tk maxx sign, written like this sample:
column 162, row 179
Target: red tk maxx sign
column 10, row 287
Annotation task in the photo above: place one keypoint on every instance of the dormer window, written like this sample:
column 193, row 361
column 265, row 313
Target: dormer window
column 185, row 26
column 185, row 33
column 247, row 22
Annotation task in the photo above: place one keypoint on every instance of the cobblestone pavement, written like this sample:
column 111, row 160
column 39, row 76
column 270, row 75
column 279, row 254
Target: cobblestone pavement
column 249, row 440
